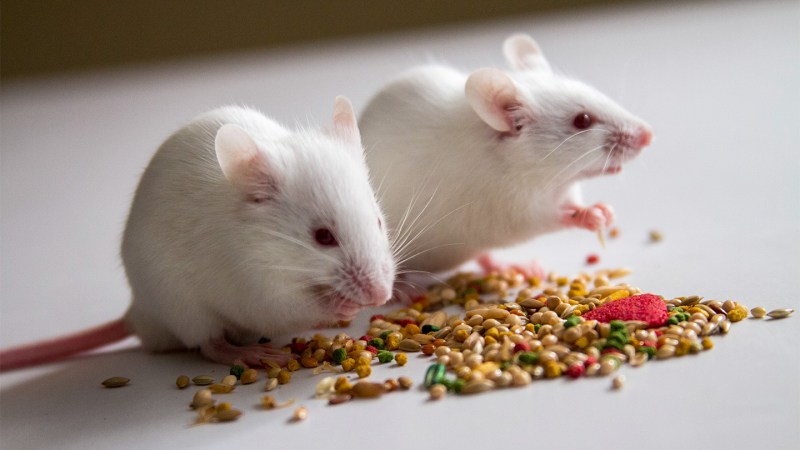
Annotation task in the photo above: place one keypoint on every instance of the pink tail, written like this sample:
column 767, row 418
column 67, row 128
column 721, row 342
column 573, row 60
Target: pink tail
column 59, row 348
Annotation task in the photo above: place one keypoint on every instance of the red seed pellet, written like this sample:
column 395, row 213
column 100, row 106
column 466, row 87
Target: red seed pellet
column 645, row 307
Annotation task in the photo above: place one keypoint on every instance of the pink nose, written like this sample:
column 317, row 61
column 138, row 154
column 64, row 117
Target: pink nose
column 378, row 294
column 645, row 137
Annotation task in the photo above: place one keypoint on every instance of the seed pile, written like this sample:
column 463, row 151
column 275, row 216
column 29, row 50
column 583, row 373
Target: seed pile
column 587, row 326
column 512, row 332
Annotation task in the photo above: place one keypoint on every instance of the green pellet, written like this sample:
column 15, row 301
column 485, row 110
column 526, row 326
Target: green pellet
column 339, row 355
column 429, row 329
column 572, row 321
column 377, row 343
column 237, row 371
column 434, row 374
column 528, row 357
column 385, row 356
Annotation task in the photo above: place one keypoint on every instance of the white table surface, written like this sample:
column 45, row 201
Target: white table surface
column 718, row 82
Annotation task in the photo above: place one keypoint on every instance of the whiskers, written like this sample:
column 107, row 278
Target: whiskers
column 570, row 137
column 580, row 163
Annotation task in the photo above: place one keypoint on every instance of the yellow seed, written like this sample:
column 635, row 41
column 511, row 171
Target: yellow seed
column 284, row 377
column 708, row 344
column 182, row 382
column 249, row 376
column 461, row 335
column 401, row 358
column 363, row 361
column 620, row 294
column 219, row 388
column 202, row 398
column 223, row 406
column 293, row 365
column 737, row 313
column 342, row 386
column 309, row 362
column 405, row 383
column 780, row 313
column 202, row 380
column 437, row 391
column 392, row 341
column 365, row 389
column 582, row 342
column 267, row 402
column 227, row 415
column 115, row 382
column 411, row 329
column 758, row 312
column 348, row 364
column 300, row 414
column 683, row 347
column 619, row 273
column 363, row 371
column 271, row 384
column 552, row 369
column 562, row 281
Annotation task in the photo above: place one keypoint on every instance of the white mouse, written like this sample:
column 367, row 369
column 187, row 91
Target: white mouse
column 471, row 162
column 240, row 229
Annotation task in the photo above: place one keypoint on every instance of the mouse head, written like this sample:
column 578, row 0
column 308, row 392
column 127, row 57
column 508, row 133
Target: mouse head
column 551, row 121
column 311, row 216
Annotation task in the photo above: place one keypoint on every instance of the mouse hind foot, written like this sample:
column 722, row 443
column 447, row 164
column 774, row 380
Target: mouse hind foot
column 221, row 351
column 530, row 269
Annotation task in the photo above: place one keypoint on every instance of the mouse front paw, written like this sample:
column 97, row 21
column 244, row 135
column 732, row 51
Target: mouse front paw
column 592, row 218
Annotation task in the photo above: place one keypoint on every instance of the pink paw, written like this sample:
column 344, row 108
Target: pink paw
column 530, row 269
column 592, row 218
column 221, row 351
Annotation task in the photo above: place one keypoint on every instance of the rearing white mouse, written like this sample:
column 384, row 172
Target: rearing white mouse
column 240, row 229
column 472, row 162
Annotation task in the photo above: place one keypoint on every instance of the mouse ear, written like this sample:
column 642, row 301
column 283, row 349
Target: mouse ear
column 243, row 163
column 494, row 97
column 344, row 125
column 523, row 53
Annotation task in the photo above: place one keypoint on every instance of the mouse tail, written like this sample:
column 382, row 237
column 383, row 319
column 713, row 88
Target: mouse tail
column 62, row 347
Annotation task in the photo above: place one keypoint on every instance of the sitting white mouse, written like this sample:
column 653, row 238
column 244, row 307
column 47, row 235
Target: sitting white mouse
column 471, row 162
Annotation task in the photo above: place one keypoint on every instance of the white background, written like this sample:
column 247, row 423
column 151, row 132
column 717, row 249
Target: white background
column 718, row 81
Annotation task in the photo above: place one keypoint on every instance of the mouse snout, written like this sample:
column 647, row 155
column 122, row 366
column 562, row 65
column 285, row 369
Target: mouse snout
column 643, row 137
column 371, row 290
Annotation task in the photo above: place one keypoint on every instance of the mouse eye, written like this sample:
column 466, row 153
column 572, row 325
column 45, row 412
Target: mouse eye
column 324, row 237
column 380, row 224
column 582, row 121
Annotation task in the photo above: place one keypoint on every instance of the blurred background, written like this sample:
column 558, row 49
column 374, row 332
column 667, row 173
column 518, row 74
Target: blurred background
column 41, row 37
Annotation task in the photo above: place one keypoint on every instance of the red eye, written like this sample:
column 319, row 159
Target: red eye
column 324, row 237
column 582, row 121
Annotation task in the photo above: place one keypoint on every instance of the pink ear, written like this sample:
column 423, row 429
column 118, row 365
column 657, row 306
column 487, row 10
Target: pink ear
column 344, row 125
column 523, row 53
column 243, row 163
column 494, row 97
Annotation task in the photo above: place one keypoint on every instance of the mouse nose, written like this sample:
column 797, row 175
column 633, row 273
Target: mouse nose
column 645, row 136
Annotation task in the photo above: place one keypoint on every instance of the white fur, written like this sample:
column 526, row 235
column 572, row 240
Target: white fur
column 206, row 260
column 456, row 174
